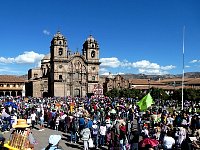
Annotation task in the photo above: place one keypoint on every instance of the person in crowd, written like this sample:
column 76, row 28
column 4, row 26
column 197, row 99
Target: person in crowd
column 81, row 123
column 41, row 121
column 102, row 132
column 54, row 143
column 122, row 136
column 168, row 141
column 7, row 118
column 85, row 133
column 187, row 143
column 134, row 139
column 74, row 129
column 57, row 121
column 33, row 119
column 49, row 118
column 95, row 134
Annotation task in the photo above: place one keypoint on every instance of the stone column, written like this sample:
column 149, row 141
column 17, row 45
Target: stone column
column 10, row 93
column 4, row 92
column 16, row 93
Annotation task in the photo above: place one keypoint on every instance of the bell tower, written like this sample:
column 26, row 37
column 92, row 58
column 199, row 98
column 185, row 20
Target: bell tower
column 58, row 48
column 91, row 49
column 91, row 53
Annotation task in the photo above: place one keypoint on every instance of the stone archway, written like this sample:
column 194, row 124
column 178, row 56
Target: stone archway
column 7, row 93
column 13, row 93
column 45, row 94
column 19, row 93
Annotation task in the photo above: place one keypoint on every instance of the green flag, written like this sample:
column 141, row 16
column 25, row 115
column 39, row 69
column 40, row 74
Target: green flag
column 145, row 102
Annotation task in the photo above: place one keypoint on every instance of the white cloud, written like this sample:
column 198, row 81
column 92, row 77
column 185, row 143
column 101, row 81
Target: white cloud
column 167, row 67
column 187, row 66
column 103, row 71
column 152, row 71
column 195, row 61
column 25, row 58
column 112, row 62
column 46, row 32
column 143, row 66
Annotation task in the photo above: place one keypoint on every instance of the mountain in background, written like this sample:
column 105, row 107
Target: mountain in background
column 143, row 76
column 159, row 77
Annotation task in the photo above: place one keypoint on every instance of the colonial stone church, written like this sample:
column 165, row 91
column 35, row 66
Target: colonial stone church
column 63, row 73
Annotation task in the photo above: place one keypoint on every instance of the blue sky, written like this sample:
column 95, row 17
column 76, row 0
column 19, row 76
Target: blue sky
column 135, row 36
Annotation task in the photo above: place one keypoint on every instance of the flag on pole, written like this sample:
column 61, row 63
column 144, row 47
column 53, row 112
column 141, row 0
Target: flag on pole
column 145, row 102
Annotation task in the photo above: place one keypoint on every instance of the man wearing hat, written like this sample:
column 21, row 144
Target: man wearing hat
column 22, row 136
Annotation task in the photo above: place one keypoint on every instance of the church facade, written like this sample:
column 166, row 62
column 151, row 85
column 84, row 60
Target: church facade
column 63, row 73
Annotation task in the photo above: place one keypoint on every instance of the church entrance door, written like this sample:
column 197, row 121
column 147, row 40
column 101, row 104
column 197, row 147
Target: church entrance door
column 77, row 92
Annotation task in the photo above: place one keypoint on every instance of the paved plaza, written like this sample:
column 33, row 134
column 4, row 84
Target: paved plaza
column 43, row 136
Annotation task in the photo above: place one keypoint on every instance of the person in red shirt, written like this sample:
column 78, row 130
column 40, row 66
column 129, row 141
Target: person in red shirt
column 122, row 136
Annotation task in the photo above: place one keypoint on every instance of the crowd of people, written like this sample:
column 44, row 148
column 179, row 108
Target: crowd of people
column 109, row 123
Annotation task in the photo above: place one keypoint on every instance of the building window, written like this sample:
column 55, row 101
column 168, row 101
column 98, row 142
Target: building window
column 60, row 43
column 60, row 52
column 14, row 85
column 93, row 78
column 1, row 85
column 60, row 77
column 8, row 85
column 35, row 75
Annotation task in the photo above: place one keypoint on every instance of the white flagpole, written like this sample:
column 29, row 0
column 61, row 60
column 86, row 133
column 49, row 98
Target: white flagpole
column 183, row 67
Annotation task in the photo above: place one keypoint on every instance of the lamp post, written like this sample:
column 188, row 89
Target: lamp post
column 64, row 88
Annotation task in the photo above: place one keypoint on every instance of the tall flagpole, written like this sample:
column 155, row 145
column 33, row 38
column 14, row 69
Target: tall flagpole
column 183, row 67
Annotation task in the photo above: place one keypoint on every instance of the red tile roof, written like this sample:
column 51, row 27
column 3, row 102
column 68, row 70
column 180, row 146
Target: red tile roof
column 194, row 81
column 144, row 82
column 11, row 79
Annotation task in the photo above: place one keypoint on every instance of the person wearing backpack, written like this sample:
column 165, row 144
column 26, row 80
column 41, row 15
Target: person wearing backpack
column 95, row 133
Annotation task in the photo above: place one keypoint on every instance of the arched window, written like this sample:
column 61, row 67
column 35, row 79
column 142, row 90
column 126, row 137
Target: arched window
column 60, row 43
column 60, row 52
column 93, row 78
column 60, row 77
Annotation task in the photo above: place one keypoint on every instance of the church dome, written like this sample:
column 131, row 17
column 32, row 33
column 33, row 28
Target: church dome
column 46, row 57
column 110, row 76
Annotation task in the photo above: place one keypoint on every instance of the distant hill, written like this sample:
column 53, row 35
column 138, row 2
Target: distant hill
column 153, row 77
column 157, row 77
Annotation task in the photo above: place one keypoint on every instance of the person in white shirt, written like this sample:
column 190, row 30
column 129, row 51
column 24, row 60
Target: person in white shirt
column 170, row 120
column 42, row 120
column 168, row 141
column 33, row 118
column 102, row 131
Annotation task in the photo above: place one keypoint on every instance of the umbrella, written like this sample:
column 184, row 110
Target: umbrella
column 10, row 104
column 148, row 141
